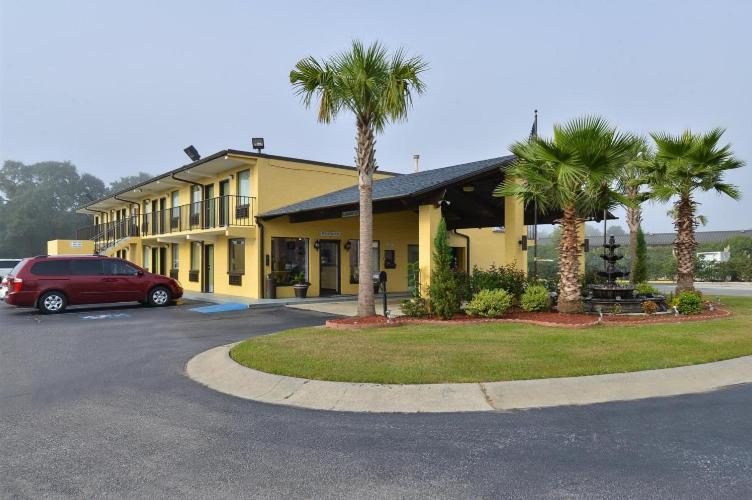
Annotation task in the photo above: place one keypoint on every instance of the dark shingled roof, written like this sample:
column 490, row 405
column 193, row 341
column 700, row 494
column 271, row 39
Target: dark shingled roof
column 395, row 187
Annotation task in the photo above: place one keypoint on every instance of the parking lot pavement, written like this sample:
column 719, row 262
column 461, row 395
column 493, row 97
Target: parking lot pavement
column 100, row 407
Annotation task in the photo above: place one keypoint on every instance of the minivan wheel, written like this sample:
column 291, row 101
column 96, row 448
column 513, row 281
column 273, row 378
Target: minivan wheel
column 159, row 296
column 53, row 303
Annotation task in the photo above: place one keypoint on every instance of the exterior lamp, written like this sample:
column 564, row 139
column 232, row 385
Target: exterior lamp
column 258, row 144
column 192, row 153
column 468, row 189
column 523, row 242
column 586, row 245
column 316, row 244
column 348, row 245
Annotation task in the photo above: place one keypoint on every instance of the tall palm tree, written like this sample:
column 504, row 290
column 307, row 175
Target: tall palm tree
column 685, row 164
column 630, row 182
column 377, row 88
column 573, row 174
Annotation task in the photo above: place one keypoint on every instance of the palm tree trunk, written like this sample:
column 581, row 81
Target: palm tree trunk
column 685, row 243
column 634, row 217
column 366, row 164
column 570, row 300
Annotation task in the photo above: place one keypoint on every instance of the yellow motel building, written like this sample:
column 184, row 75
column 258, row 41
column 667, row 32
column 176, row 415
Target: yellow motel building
column 226, row 222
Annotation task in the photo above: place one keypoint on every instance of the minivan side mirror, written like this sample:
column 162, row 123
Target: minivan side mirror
column 140, row 272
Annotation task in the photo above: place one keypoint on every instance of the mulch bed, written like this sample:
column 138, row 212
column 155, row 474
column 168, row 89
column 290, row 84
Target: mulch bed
column 533, row 318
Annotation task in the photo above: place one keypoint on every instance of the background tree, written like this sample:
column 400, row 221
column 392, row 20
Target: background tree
column 640, row 262
column 377, row 89
column 685, row 164
column 573, row 173
column 128, row 181
column 40, row 203
column 631, row 181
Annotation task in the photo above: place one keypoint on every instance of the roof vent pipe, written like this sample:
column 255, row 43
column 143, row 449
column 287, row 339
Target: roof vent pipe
column 416, row 158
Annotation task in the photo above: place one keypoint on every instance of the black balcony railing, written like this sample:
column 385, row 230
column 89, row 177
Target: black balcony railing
column 222, row 211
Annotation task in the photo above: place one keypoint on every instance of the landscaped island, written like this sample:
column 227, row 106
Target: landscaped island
column 484, row 352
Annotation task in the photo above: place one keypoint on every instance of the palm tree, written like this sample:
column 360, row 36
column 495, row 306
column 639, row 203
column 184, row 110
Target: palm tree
column 377, row 89
column 685, row 164
column 572, row 174
column 630, row 183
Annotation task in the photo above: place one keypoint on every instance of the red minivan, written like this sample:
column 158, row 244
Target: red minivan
column 52, row 283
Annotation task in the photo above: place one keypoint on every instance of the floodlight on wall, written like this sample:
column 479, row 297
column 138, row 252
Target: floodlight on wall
column 258, row 144
column 192, row 153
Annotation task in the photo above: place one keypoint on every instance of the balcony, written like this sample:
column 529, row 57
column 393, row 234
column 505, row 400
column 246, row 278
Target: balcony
column 214, row 213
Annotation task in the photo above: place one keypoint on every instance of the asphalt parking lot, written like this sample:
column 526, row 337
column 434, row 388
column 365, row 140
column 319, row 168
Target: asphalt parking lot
column 94, row 403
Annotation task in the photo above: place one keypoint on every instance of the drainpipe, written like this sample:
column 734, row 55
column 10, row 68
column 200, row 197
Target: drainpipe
column 467, row 249
column 262, row 268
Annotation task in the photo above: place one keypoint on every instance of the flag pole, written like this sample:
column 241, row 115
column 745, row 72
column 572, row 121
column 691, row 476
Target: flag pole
column 533, row 135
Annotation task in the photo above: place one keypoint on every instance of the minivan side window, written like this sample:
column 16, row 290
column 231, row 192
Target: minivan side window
column 51, row 268
column 86, row 267
column 119, row 268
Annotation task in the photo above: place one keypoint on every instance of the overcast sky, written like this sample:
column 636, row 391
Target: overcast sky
column 119, row 87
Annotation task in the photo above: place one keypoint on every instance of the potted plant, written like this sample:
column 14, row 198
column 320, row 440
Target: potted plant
column 300, row 286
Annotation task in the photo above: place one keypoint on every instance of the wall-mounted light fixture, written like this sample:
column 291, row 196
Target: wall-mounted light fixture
column 586, row 245
column 468, row 188
column 316, row 244
column 523, row 242
column 348, row 245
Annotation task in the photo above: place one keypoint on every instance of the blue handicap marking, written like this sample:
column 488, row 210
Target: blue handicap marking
column 106, row 316
column 217, row 308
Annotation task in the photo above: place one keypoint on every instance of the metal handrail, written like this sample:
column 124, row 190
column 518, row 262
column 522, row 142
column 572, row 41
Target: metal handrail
column 221, row 211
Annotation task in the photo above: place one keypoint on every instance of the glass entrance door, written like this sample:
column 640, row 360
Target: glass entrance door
column 329, row 267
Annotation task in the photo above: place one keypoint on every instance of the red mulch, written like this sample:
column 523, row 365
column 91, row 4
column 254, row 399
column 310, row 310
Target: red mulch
column 534, row 318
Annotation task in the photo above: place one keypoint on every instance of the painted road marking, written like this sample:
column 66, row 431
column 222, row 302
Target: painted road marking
column 216, row 308
column 106, row 316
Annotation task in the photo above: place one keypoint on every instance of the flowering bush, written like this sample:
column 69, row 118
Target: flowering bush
column 689, row 302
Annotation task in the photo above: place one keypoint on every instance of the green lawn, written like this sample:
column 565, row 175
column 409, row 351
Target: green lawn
column 495, row 351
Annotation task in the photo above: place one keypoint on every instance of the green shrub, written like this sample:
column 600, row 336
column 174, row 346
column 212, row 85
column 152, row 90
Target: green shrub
column 443, row 294
column 489, row 303
column 689, row 302
column 649, row 307
column 507, row 277
column 464, row 286
column 535, row 298
column 640, row 265
column 646, row 289
column 415, row 307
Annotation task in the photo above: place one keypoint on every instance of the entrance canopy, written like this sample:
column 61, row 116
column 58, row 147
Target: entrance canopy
column 464, row 192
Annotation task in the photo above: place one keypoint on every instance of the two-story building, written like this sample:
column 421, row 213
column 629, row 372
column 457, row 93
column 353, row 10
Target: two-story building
column 225, row 222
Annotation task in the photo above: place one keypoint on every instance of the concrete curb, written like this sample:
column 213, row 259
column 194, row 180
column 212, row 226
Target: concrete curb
column 215, row 369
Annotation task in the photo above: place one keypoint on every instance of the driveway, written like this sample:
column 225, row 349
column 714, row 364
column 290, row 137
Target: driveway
column 95, row 404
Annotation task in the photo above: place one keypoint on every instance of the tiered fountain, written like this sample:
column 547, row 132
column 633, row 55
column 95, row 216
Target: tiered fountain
column 611, row 296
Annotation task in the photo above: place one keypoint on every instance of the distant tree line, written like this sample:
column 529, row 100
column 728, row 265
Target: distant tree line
column 38, row 203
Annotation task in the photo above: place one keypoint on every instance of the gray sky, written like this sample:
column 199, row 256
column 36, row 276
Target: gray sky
column 118, row 87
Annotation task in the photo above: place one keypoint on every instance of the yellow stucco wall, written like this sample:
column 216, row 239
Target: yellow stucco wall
column 70, row 247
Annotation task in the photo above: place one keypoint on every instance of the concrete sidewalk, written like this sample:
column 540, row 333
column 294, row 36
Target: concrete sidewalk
column 217, row 298
column 215, row 369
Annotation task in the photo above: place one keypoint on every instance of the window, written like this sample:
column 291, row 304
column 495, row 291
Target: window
column 51, row 268
column 175, row 199
column 195, row 205
column 86, row 267
column 175, row 250
column 354, row 266
column 244, row 184
column 236, row 258
column 289, row 259
column 195, row 256
column 119, row 268
column 8, row 264
column 147, row 258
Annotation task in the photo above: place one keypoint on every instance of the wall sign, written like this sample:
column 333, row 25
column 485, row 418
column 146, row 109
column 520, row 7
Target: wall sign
column 330, row 234
column 350, row 213
column 76, row 244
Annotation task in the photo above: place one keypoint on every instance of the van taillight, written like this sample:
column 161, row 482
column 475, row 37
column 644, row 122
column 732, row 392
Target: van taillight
column 16, row 285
